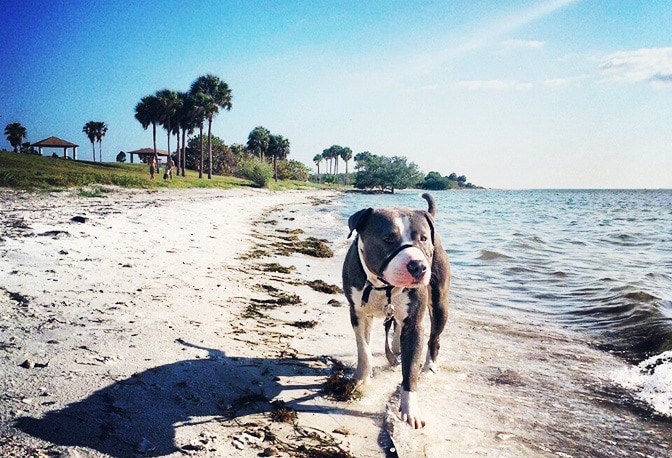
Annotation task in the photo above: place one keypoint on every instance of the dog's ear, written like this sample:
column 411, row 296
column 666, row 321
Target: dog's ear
column 358, row 220
column 430, row 221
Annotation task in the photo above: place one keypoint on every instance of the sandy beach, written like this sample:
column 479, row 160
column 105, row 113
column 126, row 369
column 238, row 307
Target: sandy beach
column 160, row 324
column 191, row 323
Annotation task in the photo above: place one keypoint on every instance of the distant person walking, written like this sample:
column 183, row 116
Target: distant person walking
column 170, row 165
column 152, row 167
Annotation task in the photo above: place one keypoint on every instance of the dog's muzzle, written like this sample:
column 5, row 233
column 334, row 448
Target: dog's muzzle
column 389, row 259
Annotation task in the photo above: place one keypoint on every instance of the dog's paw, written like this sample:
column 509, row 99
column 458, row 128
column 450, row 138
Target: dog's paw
column 362, row 378
column 410, row 412
column 430, row 366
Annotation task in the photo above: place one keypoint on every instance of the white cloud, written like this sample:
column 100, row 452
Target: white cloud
column 652, row 65
column 563, row 82
column 533, row 45
column 495, row 85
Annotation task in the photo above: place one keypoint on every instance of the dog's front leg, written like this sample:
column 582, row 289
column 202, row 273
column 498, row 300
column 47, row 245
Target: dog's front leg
column 361, row 324
column 411, row 350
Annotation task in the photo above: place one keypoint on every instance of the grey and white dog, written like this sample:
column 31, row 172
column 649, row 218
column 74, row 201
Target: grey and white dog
column 396, row 268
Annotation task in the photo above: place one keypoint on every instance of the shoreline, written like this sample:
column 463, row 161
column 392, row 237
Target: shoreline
column 149, row 325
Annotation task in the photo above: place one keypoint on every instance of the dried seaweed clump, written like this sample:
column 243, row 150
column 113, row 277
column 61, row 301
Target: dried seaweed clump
column 324, row 287
column 283, row 414
column 314, row 247
column 275, row 267
column 339, row 386
column 305, row 324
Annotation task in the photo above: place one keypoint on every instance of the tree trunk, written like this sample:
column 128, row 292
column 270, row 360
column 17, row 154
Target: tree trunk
column 178, row 151
column 184, row 149
column 210, row 149
column 100, row 150
column 93, row 145
column 156, row 154
column 168, row 159
column 200, row 166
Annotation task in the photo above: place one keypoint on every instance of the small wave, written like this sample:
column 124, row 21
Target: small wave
column 487, row 255
column 641, row 296
column 651, row 381
column 521, row 270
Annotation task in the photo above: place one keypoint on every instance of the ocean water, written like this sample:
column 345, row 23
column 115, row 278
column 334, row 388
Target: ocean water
column 559, row 341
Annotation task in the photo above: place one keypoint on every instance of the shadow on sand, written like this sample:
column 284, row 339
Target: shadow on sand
column 148, row 407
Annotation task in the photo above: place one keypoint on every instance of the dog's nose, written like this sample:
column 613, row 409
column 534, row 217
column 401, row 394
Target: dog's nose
column 417, row 269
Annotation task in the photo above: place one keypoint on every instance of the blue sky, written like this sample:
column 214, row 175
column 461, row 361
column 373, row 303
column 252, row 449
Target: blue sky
column 512, row 94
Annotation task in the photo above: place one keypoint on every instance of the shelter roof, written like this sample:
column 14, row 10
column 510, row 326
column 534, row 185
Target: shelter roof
column 149, row 152
column 54, row 142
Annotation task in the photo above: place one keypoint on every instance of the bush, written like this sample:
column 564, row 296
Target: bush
column 292, row 170
column 258, row 172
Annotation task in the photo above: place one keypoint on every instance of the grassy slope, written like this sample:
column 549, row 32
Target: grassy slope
column 25, row 171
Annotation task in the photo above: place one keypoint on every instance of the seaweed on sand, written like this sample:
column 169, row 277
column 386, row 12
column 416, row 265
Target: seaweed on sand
column 283, row 414
column 339, row 386
column 324, row 287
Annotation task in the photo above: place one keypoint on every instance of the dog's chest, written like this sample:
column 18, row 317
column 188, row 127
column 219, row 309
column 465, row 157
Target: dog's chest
column 380, row 304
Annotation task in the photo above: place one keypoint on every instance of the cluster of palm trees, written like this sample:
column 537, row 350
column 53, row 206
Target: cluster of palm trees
column 15, row 134
column 181, row 113
column 95, row 130
column 331, row 155
column 262, row 143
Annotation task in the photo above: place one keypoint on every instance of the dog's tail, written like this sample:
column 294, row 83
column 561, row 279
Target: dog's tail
column 430, row 202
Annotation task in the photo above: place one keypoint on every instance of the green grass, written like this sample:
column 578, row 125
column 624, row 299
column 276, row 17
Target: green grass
column 26, row 171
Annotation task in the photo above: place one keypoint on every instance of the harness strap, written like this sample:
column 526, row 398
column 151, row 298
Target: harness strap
column 368, row 286
column 389, row 259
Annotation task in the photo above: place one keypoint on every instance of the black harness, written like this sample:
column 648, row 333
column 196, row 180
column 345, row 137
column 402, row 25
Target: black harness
column 389, row 308
column 368, row 286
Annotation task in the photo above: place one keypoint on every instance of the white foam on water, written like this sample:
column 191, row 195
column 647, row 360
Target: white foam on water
column 651, row 382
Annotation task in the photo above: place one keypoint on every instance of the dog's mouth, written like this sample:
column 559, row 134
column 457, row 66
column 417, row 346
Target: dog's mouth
column 407, row 279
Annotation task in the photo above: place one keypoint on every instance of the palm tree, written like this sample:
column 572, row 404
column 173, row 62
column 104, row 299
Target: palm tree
column 148, row 111
column 346, row 155
column 328, row 155
column 317, row 159
column 335, row 153
column 168, row 101
column 101, row 130
column 15, row 134
column 220, row 94
column 203, row 105
column 278, row 148
column 179, row 119
column 91, row 129
column 257, row 141
column 187, row 115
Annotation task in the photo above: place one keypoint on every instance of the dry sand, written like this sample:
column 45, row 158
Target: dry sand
column 151, row 323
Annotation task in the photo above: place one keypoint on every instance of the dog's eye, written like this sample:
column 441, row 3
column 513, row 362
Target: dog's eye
column 389, row 239
column 423, row 238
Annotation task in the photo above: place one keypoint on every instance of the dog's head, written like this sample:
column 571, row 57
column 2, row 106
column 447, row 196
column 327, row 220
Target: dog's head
column 395, row 245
